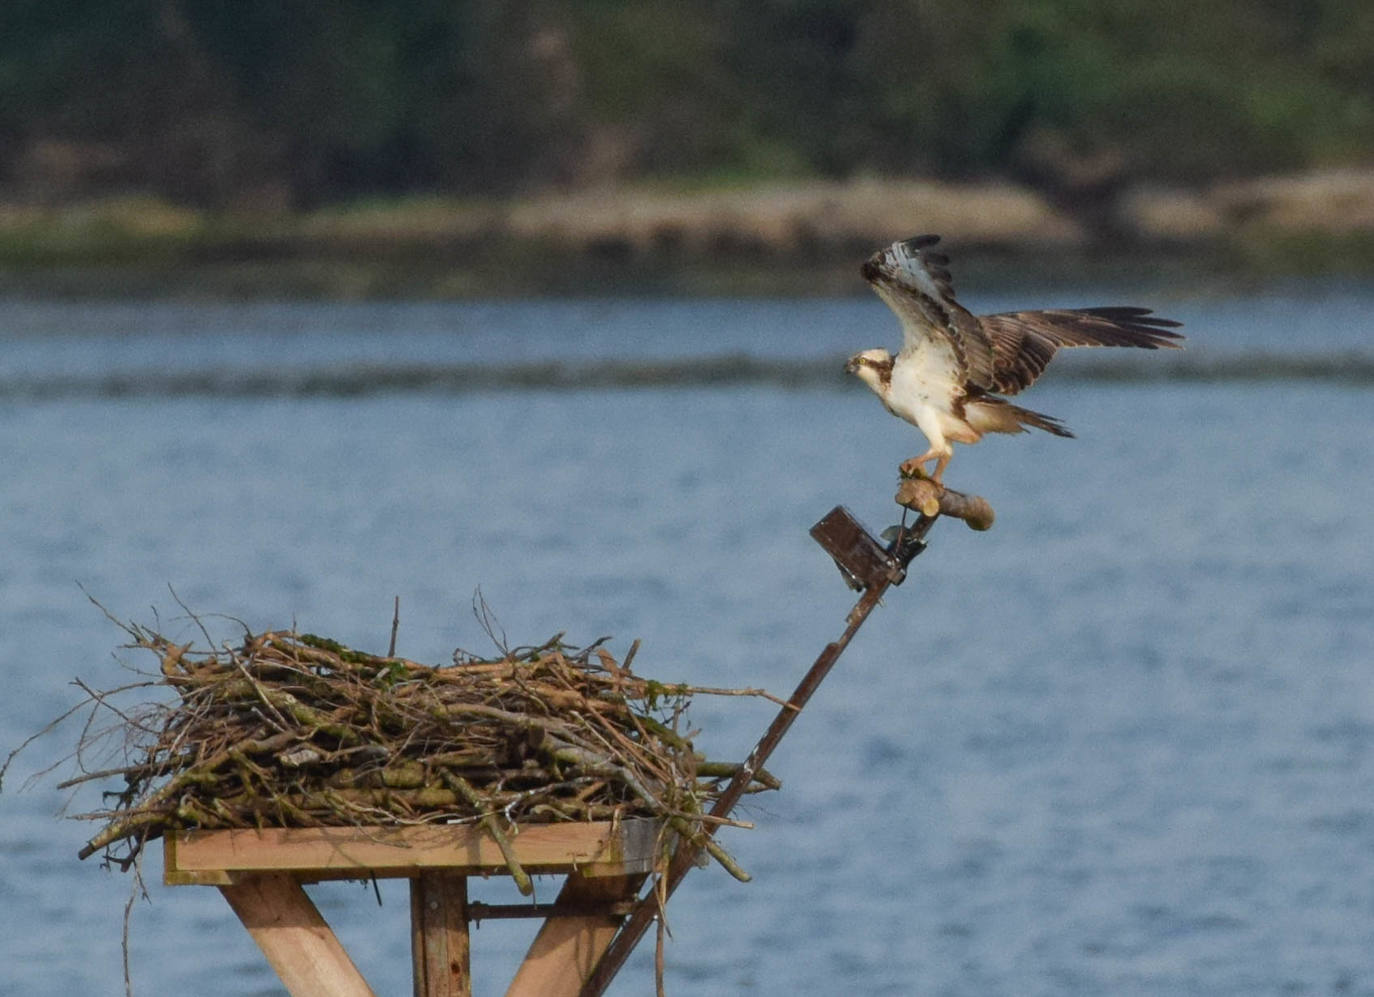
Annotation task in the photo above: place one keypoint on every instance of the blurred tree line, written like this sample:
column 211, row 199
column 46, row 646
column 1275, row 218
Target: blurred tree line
column 294, row 103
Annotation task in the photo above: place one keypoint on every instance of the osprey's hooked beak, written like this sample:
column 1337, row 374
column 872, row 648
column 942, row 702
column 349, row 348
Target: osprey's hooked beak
column 852, row 365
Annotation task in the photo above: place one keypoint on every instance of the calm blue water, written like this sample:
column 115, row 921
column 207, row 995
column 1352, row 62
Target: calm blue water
column 1122, row 743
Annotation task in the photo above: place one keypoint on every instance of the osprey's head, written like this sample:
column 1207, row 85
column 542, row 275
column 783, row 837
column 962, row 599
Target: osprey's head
column 873, row 367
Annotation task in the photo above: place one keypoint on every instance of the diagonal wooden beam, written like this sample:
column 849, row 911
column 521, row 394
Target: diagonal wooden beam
column 909, row 542
column 293, row 935
column 567, row 949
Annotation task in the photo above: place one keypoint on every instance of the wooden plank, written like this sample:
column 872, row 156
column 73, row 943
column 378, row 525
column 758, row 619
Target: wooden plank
column 174, row 875
column 597, row 849
column 439, row 935
column 295, row 938
column 567, row 949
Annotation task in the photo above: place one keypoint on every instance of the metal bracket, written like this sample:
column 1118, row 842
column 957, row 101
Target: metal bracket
column 863, row 561
column 905, row 541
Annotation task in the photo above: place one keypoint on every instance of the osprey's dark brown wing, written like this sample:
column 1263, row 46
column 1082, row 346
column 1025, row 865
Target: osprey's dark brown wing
column 914, row 281
column 1024, row 342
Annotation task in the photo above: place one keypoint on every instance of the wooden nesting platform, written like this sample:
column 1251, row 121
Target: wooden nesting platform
column 261, row 872
column 333, row 711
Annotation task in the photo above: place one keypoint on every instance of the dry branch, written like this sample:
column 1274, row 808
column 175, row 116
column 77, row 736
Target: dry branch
column 930, row 498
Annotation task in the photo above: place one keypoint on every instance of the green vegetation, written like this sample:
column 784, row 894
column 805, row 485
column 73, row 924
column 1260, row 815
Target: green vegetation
column 280, row 104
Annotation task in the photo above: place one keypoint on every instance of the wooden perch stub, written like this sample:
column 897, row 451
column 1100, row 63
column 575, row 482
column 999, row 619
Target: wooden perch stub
column 930, row 498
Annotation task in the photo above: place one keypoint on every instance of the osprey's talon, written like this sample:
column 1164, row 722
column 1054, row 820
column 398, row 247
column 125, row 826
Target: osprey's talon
column 914, row 468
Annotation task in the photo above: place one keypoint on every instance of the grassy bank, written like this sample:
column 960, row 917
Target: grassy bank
column 781, row 239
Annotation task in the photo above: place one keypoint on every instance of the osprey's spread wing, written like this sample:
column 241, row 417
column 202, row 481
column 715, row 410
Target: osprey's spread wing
column 1024, row 342
column 914, row 282
column 1002, row 353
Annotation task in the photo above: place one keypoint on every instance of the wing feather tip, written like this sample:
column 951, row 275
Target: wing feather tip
column 921, row 241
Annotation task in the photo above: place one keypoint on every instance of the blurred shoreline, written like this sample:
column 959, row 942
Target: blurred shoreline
column 802, row 238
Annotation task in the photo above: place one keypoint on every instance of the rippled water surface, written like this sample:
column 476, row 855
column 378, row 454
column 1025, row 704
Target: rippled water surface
column 1121, row 743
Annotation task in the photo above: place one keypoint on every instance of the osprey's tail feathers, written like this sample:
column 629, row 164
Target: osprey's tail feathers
column 994, row 415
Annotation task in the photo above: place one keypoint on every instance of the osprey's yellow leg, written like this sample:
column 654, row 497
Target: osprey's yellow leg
column 915, row 467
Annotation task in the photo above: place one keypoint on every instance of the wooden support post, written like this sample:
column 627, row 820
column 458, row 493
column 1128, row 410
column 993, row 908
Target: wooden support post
column 294, row 937
column 567, row 949
column 439, row 934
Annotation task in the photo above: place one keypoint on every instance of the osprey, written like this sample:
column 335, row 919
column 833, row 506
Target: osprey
column 953, row 364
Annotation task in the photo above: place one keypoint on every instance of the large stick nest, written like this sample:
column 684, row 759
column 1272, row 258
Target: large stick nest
column 292, row 730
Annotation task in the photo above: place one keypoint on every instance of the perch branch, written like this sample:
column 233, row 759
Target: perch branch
column 930, row 498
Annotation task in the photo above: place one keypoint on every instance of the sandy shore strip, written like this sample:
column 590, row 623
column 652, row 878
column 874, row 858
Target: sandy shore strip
column 452, row 247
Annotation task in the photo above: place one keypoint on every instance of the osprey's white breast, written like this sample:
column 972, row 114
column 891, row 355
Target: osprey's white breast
column 925, row 382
